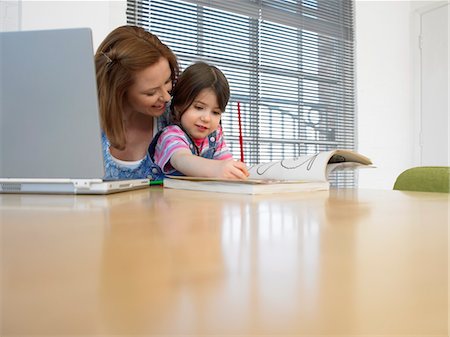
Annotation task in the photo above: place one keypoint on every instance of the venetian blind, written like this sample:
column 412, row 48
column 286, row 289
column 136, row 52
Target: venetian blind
column 289, row 63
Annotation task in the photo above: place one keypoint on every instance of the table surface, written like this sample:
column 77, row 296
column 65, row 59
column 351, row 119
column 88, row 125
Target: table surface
column 160, row 262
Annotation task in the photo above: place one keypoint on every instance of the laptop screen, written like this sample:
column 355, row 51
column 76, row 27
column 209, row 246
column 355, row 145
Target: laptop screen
column 49, row 121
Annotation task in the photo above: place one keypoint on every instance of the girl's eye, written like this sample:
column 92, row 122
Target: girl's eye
column 149, row 94
column 217, row 113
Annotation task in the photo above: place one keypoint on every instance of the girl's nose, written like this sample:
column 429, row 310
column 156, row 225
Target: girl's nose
column 205, row 116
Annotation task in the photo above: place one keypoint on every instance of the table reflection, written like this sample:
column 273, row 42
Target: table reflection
column 170, row 262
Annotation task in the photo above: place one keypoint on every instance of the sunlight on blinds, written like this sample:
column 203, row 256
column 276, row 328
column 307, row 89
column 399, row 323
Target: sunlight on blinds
column 289, row 63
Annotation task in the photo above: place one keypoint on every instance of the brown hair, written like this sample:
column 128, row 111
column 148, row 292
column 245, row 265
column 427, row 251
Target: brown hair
column 192, row 81
column 125, row 51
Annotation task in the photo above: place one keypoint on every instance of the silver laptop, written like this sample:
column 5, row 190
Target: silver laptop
column 50, row 138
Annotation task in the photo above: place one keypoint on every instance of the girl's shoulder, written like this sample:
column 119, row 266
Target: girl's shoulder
column 219, row 132
column 171, row 134
column 173, row 130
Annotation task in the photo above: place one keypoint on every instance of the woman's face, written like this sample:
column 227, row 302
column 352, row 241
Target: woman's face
column 150, row 91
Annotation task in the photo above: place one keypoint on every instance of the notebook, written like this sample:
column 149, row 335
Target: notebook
column 50, row 136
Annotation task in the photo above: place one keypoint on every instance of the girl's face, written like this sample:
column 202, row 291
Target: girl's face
column 203, row 115
column 150, row 91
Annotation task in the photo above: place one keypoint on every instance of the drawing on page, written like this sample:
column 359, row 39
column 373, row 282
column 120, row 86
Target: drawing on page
column 288, row 164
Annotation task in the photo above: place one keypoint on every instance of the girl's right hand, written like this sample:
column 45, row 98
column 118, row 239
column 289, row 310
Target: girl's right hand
column 232, row 169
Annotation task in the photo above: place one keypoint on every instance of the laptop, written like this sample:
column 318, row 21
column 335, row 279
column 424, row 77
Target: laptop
column 50, row 135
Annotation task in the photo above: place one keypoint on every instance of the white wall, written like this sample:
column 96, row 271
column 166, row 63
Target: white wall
column 388, row 87
column 385, row 69
column 100, row 16
column 385, row 86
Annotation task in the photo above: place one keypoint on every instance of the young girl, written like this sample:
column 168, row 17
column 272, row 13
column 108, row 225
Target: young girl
column 194, row 144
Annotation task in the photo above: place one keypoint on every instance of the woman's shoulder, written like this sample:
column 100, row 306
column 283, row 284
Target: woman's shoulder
column 105, row 145
column 164, row 120
column 114, row 170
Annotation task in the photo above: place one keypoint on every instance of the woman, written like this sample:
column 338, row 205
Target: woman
column 135, row 76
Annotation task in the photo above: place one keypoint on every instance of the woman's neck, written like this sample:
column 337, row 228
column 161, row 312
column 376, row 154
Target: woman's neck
column 139, row 134
column 137, row 121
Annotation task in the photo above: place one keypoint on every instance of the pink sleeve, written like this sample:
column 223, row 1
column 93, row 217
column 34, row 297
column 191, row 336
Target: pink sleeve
column 171, row 140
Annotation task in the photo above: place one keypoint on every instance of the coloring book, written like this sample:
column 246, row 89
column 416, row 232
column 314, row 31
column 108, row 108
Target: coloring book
column 303, row 173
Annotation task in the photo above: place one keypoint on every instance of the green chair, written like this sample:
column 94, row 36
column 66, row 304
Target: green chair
column 425, row 179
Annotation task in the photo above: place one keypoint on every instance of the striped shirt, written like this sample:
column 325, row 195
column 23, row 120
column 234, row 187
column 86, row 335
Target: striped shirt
column 173, row 138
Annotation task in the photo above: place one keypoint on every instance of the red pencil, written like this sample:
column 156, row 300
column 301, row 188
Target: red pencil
column 241, row 140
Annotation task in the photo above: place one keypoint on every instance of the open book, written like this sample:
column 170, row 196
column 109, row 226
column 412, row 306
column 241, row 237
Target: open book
column 303, row 173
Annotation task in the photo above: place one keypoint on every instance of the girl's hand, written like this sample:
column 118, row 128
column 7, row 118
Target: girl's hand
column 232, row 169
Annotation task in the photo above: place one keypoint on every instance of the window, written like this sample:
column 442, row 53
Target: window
column 289, row 64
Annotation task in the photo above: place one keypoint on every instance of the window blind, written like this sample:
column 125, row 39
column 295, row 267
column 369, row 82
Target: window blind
column 289, row 63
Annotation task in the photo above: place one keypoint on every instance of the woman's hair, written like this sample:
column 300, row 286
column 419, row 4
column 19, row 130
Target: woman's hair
column 125, row 51
column 191, row 82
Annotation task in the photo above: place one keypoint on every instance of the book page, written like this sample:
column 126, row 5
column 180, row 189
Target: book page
column 316, row 167
column 310, row 167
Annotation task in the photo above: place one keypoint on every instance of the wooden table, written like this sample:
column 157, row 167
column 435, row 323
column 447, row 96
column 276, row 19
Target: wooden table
column 160, row 262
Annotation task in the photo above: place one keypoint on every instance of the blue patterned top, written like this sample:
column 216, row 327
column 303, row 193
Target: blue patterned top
column 146, row 169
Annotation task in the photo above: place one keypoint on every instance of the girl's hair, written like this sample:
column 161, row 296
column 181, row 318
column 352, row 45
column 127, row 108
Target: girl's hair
column 192, row 81
column 125, row 51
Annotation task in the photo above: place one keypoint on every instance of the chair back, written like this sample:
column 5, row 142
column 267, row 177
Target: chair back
column 424, row 178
